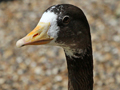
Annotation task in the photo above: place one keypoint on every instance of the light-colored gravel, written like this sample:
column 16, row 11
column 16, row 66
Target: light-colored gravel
column 44, row 67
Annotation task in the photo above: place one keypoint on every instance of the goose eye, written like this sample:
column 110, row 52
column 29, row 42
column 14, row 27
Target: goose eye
column 66, row 19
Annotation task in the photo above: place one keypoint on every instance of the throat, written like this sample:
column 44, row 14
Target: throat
column 80, row 70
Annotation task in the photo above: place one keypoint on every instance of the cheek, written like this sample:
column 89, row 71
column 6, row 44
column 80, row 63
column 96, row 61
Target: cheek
column 53, row 31
column 66, row 32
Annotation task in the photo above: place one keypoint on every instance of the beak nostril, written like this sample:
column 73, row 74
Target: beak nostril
column 35, row 35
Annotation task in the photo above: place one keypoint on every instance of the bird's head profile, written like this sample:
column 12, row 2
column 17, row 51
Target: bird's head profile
column 62, row 25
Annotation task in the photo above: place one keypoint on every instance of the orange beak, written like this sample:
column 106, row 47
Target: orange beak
column 38, row 36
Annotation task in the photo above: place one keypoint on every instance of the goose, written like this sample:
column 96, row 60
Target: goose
column 65, row 25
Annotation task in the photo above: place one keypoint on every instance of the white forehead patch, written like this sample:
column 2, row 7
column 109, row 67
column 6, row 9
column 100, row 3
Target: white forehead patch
column 48, row 17
column 52, row 18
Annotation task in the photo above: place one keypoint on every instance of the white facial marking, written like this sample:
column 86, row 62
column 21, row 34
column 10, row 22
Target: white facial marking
column 52, row 18
column 53, row 7
column 71, row 52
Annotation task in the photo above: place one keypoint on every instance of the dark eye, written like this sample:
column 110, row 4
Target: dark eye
column 66, row 19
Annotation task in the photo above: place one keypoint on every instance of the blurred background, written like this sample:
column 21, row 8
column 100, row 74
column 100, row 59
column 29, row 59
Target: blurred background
column 44, row 67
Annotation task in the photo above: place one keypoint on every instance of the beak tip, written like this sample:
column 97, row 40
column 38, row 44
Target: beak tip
column 20, row 43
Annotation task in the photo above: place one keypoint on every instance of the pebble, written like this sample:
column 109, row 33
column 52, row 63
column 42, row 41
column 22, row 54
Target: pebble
column 55, row 71
column 19, row 59
column 38, row 70
column 2, row 80
column 58, row 78
column 33, row 64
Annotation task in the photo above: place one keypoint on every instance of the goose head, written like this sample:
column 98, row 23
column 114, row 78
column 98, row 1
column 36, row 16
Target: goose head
column 60, row 25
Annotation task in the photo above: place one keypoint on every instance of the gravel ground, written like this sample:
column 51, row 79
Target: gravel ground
column 44, row 67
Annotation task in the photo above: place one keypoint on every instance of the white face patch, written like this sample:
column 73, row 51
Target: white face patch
column 52, row 18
